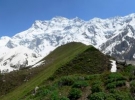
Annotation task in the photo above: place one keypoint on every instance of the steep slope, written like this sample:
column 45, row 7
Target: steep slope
column 91, row 61
column 85, row 77
column 44, row 36
column 66, row 71
column 36, row 76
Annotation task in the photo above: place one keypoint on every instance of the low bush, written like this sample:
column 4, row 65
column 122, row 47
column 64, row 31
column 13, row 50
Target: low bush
column 80, row 84
column 74, row 94
column 96, row 88
column 132, row 86
column 120, row 83
column 113, row 90
column 54, row 95
column 42, row 92
column 91, row 77
column 66, row 81
column 64, row 98
column 99, row 82
column 121, row 96
column 97, row 96
column 115, row 84
column 111, row 85
column 109, row 96
column 131, row 77
column 115, row 77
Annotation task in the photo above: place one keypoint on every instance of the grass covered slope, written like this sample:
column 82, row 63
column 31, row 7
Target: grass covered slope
column 54, row 60
column 104, row 86
column 86, row 77
column 76, row 72
column 91, row 61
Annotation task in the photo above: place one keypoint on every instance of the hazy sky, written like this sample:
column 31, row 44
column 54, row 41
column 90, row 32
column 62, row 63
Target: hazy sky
column 19, row 15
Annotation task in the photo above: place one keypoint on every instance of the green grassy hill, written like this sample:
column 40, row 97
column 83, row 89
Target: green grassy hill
column 91, row 61
column 14, row 87
column 87, row 77
column 73, row 72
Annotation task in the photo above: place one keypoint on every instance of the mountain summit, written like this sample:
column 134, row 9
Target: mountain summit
column 113, row 36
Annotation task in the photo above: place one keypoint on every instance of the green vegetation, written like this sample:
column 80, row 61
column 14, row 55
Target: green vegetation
column 91, row 61
column 132, row 86
column 80, row 84
column 66, row 81
column 74, row 94
column 95, row 88
column 54, row 60
column 115, row 80
column 109, row 96
column 97, row 96
column 81, row 72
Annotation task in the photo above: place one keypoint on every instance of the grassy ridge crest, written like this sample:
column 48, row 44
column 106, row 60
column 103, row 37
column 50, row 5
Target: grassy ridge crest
column 56, row 59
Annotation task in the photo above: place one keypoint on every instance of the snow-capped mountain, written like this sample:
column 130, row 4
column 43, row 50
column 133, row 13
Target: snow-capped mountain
column 122, row 44
column 44, row 36
column 17, row 58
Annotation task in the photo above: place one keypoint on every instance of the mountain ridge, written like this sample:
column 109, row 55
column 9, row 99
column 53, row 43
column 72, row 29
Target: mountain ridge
column 44, row 36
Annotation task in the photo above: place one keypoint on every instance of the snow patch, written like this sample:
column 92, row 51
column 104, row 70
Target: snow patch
column 114, row 66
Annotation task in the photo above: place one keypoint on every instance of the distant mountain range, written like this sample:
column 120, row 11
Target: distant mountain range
column 113, row 36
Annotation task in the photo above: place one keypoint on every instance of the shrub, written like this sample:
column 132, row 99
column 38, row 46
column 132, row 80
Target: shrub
column 42, row 92
column 120, row 83
column 91, row 77
column 54, row 95
column 74, row 94
column 131, row 77
column 96, row 88
column 115, row 80
column 132, row 83
column 51, row 87
column 111, row 85
column 113, row 90
column 64, row 98
column 115, row 84
column 51, row 78
column 97, row 82
column 132, row 86
column 109, row 96
column 97, row 96
column 88, row 77
column 66, row 81
column 119, row 96
column 80, row 84
column 114, row 75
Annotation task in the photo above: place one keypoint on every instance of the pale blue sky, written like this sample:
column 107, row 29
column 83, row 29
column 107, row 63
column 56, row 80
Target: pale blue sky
column 19, row 15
